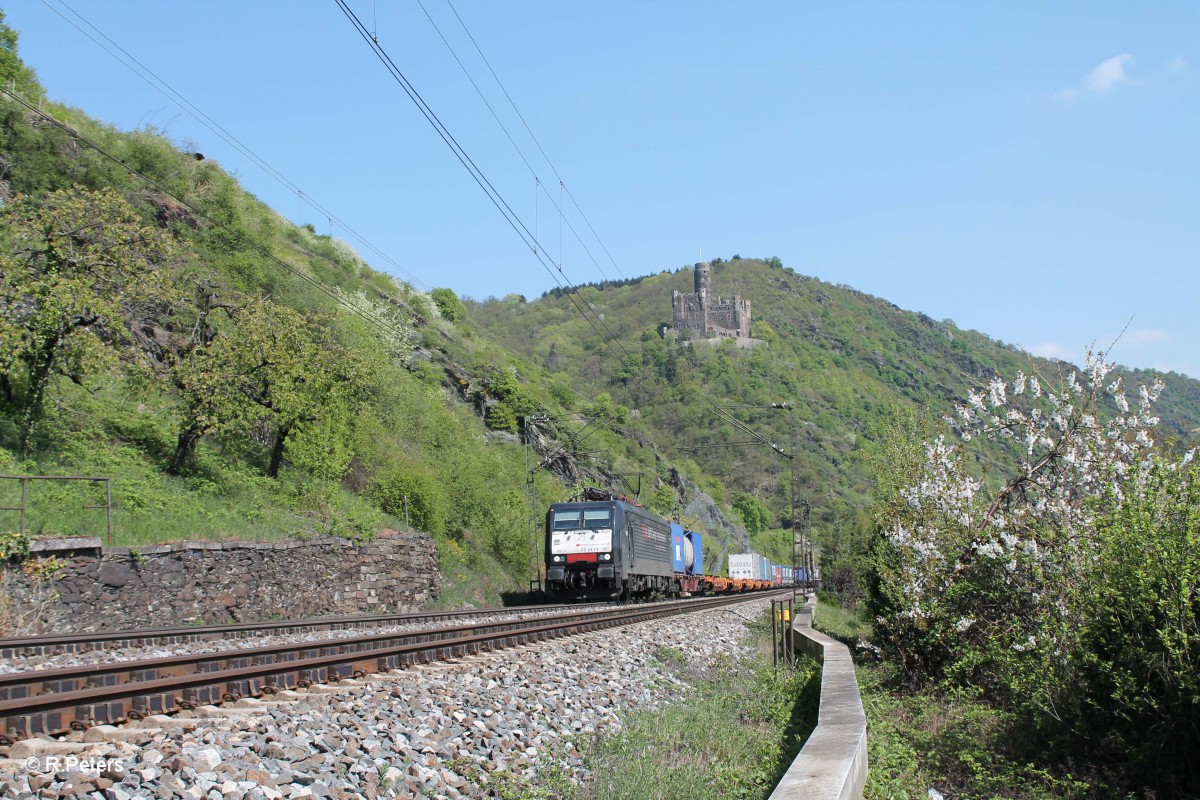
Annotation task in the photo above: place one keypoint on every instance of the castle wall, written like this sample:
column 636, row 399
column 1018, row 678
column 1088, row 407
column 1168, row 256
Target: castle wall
column 698, row 315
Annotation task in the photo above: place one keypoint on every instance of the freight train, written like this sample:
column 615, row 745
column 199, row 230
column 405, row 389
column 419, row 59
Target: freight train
column 605, row 547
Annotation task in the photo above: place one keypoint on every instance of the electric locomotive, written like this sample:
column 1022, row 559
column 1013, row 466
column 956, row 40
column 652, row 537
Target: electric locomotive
column 605, row 547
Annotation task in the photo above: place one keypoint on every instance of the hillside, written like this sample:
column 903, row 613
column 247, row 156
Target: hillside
column 842, row 357
column 239, row 376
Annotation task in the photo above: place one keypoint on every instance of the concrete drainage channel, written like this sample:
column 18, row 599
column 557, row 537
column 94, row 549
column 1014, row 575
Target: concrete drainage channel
column 833, row 763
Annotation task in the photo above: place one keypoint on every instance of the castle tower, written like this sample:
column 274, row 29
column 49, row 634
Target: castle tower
column 703, row 278
column 700, row 315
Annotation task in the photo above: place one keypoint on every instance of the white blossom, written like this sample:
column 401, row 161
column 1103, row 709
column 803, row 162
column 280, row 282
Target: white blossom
column 996, row 392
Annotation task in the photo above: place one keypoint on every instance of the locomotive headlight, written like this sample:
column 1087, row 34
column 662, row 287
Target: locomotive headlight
column 558, row 559
column 606, row 556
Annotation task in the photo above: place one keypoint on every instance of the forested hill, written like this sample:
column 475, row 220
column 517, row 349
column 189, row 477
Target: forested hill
column 841, row 356
column 240, row 376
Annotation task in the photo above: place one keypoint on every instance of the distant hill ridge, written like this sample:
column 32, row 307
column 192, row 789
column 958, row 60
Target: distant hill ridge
column 840, row 355
column 433, row 432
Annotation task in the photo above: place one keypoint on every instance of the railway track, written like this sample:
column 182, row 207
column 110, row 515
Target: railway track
column 26, row 646
column 54, row 701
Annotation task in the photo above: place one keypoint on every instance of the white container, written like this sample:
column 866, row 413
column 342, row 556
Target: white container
column 741, row 565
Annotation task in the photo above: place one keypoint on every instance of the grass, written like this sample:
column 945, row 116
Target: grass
column 551, row 784
column 471, row 577
column 940, row 737
column 843, row 624
column 954, row 743
column 223, row 496
column 736, row 735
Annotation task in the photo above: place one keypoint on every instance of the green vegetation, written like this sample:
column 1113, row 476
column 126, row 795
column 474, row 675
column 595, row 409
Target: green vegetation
column 1035, row 614
column 843, row 624
column 844, row 359
column 942, row 738
column 1030, row 570
column 736, row 733
column 551, row 784
column 235, row 376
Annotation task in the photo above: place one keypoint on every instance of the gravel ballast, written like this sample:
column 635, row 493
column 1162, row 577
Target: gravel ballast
column 440, row 730
column 118, row 654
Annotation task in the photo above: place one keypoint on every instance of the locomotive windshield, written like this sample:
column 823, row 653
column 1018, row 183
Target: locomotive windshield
column 597, row 518
column 567, row 520
column 576, row 519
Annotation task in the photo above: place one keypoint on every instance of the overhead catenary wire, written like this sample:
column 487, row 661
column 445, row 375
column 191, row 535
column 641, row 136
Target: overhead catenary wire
column 573, row 441
column 337, row 298
column 559, row 205
column 477, row 174
column 164, row 88
column 541, row 149
column 198, row 213
column 148, row 75
column 160, row 85
column 511, row 217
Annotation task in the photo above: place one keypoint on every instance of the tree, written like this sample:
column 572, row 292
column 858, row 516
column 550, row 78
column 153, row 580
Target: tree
column 663, row 500
column 991, row 583
column 77, row 268
column 269, row 365
column 755, row 515
column 448, row 304
column 13, row 71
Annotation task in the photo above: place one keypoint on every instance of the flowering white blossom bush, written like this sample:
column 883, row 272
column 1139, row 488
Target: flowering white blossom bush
column 395, row 333
column 1046, row 553
column 978, row 575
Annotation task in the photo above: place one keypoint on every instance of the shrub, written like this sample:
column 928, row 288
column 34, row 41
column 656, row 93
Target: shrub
column 501, row 417
column 413, row 494
column 1067, row 592
column 448, row 304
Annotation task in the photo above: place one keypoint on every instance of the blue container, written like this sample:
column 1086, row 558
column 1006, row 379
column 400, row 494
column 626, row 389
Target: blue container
column 694, row 565
column 678, row 548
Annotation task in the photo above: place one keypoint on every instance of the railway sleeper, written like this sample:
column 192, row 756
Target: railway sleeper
column 13, row 692
column 234, row 691
column 201, row 695
column 33, row 725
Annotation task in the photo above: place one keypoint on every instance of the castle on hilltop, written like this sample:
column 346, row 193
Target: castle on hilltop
column 698, row 315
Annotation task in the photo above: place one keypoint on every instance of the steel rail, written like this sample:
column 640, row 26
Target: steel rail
column 57, row 712
column 31, row 682
column 16, row 646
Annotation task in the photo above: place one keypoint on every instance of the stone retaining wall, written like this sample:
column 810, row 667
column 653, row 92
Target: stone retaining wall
column 69, row 585
column 833, row 763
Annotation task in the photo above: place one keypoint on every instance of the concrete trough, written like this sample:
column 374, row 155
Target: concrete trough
column 833, row 763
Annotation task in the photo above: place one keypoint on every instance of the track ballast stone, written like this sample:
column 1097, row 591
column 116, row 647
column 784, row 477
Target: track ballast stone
column 116, row 655
column 438, row 730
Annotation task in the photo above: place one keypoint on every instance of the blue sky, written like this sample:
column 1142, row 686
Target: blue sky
column 1028, row 169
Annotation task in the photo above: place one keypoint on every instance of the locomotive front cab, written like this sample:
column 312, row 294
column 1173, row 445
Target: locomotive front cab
column 583, row 548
